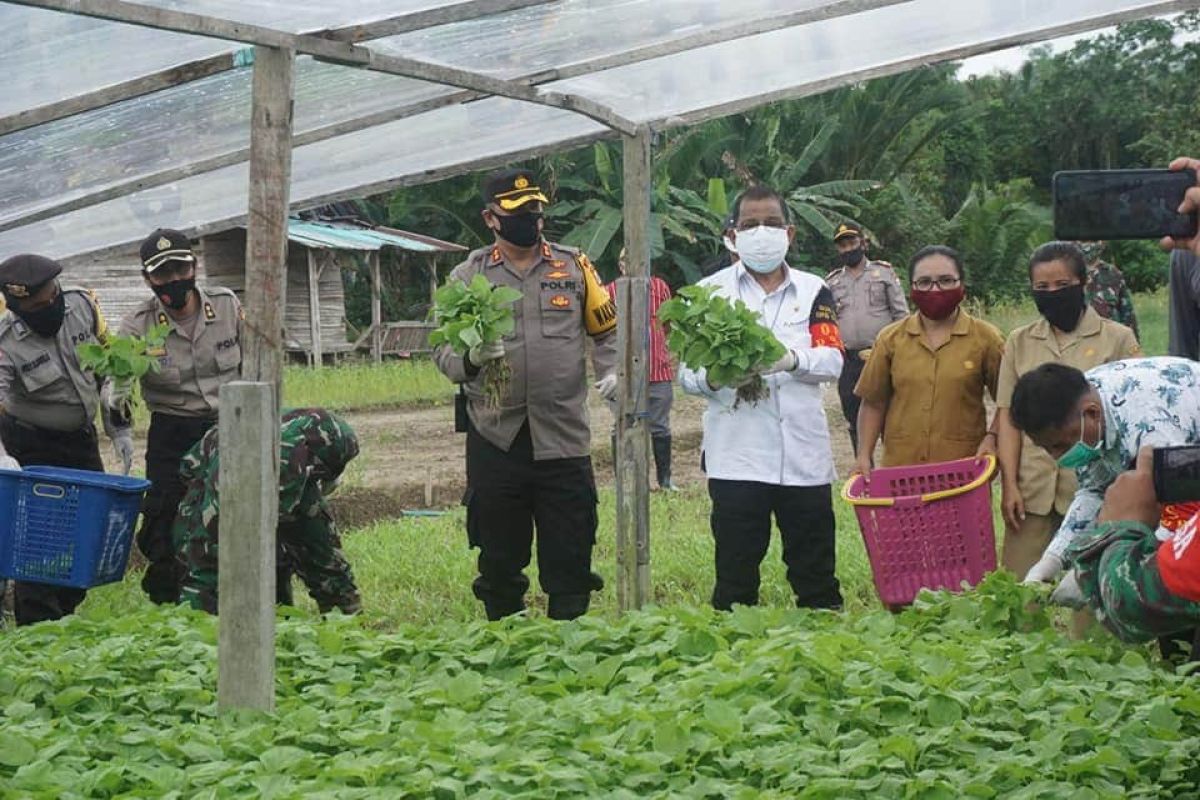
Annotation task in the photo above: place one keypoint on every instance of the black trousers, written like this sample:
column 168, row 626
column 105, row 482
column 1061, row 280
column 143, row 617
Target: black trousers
column 741, row 526
column 37, row 602
column 169, row 438
column 508, row 494
column 851, row 371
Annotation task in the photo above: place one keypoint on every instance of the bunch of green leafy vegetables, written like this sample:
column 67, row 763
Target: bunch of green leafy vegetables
column 472, row 314
column 967, row 696
column 725, row 339
column 124, row 357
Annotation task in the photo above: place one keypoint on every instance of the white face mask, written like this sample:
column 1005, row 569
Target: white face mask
column 762, row 249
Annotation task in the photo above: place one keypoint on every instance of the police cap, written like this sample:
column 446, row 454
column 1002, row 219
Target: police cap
column 22, row 276
column 166, row 245
column 846, row 229
column 512, row 188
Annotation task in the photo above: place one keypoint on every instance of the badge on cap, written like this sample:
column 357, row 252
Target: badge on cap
column 16, row 289
column 163, row 243
column 521, row 182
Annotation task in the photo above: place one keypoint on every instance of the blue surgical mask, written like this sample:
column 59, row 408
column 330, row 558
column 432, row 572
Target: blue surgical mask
column 1081, row 453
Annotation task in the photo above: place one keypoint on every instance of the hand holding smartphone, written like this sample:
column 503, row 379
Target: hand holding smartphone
column 1102, row 205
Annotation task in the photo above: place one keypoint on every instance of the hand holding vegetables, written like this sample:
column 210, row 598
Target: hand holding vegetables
column 725, row 340
column 473, row 319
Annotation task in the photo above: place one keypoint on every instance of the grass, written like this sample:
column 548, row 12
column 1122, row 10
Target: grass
column 419, row 570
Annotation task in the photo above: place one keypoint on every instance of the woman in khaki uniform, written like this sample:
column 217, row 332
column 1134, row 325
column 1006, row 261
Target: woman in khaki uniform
column 1036, row 491
column 923, row 384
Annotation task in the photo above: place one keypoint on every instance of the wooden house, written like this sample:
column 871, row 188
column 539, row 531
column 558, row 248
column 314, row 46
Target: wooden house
column 315, row 312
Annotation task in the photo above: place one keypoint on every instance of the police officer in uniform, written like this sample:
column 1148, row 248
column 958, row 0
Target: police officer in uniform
column 529, row 462
column 869, row 297
column 48, row 401
column 202, row 352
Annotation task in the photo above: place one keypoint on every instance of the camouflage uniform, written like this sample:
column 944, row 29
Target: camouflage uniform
column 315, row 448
column 1116, row 565
column 1108, row 293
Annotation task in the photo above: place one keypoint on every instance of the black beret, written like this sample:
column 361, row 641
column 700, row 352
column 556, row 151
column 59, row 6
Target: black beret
column 21, row 276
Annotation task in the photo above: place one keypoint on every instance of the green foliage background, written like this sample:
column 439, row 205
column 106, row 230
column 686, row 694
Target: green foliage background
column 918, row 158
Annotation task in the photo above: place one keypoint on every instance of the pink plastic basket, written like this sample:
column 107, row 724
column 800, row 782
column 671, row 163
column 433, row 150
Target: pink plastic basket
column 927, row 526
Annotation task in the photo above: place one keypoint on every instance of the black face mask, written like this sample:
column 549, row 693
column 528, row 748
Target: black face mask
column 520, row 229
column 174, row 294
column 1062, row 308
column 45, row 321
column 850, row 258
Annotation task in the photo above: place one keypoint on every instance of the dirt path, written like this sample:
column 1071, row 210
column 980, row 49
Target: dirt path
column 412, row 459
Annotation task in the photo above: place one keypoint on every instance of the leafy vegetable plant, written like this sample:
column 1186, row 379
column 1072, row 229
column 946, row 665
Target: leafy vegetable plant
column 126, row 357
column 724, row 339
column 962, row 696
column 476, row 313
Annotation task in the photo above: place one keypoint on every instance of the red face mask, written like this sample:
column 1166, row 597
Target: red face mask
column 938, row 304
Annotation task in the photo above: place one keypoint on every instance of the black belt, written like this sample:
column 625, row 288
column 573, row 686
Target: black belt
column 88, row 430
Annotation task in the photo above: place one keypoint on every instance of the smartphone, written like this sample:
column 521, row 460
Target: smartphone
column 1099, row 205
column 1177, row 474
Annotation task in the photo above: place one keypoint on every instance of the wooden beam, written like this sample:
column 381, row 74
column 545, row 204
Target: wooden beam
column 144, row 84
column 494, row 161
column 266, row 230
column 633, row 436
column 332, row 51
column 249, row 443
column 314, row 309
column 376, row 307
column 429, row 18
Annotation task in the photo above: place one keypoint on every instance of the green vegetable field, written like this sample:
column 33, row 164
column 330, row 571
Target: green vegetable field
column 972, row 696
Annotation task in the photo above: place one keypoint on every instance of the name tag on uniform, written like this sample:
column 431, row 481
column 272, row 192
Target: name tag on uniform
column 30, row 366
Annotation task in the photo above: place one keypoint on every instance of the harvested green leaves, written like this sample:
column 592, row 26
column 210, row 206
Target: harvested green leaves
column 726, row 340
column 965, row 696
column 125, row 357
column 473, row 314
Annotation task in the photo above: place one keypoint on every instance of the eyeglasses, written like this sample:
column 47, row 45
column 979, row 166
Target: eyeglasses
column 944, row 282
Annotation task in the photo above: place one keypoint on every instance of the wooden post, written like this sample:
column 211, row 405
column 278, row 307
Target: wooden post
column 249, row 418
column 314, row 308
column 376, row 307
column 633, row 438
column 266, row 229
column 249, row 438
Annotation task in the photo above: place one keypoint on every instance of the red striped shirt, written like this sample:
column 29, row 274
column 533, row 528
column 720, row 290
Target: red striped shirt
column 660, row 360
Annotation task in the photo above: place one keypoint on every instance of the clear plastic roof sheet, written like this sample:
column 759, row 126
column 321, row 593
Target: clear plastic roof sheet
column 78, row 185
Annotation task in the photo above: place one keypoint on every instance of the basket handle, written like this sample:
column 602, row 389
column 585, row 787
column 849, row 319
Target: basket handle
column 988, row 473
column 49, row 490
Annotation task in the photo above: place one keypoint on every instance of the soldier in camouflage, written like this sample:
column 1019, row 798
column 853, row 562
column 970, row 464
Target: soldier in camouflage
column 1135, row 568
column 315, row 447
column 1106, row 290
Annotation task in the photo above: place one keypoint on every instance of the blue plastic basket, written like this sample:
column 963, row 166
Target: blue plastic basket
column 67, row 527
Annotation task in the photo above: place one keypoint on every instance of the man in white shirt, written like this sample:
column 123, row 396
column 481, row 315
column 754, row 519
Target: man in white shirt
column 773, row 457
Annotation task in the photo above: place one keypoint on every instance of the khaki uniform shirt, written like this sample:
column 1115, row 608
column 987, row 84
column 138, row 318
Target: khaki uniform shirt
column 1045, row 487
column 546, row 351
column 934, row 398
column 866, row 302
column 197, row 359
column 41, row 381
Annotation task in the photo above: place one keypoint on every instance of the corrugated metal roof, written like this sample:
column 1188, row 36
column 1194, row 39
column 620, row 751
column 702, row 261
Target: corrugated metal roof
column 334, row 236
